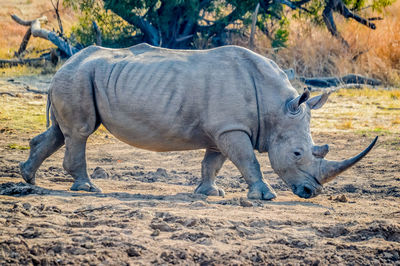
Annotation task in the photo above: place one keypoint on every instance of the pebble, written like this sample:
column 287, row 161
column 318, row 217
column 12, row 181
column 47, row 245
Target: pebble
column 341, row 198
column 163, row 226
column 99, row 173
column 27, row 206
column 245, row 203
column 155, row 233
column 198, row 204
column 133, row 252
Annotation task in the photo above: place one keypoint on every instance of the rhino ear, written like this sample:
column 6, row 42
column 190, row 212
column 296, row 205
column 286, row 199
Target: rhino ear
column 294, row 104
column 318, row 101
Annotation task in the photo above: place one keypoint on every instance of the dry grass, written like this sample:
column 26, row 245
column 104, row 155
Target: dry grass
column 19, row 71
column 11, row 33
column 26, row 114
column 314, row 52
column 347, row 124
column 365, row 111
column 396, row 121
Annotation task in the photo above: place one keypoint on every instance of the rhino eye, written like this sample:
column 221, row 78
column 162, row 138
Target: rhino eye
column 297, row 154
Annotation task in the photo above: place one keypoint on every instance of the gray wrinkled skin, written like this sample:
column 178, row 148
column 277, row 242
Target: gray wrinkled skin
column 229, row 101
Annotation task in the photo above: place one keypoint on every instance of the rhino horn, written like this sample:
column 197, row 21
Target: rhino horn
column 330, row 169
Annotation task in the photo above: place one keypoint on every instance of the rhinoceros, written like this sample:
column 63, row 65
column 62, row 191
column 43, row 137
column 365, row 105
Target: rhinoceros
column 229, row 101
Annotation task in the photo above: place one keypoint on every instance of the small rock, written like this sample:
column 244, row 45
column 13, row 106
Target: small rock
column 316, row 262
column 27, row 206
column 341, row 198
column 350, row 188
column 198, row 204
column 245, row 203
column 387, row 255
column 375, row 262
column 44, row 262
column 162, row 172
column 155, row 233
column 190, row 222
column 330, row 198
column 327, row 213
column 35, row 260
column 133, row 252
column 163, row 226
column 99, row 173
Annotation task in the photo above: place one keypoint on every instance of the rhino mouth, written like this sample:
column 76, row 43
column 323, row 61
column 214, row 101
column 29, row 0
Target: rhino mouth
column 311, row 188
column 306, row 191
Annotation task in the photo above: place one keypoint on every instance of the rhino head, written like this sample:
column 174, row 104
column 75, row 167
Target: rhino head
column 293, row 154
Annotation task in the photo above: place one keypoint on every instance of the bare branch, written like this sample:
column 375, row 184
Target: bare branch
column 8, row 93
column 253, row 26
column 375, row 18
column 97, row 33
column 184, row 38
column 302, row 2
column 221, row 23
column 151, row 33
column 24, row 42
column 25, row 22
column 327, row 16
column 56, row 10
column 340, row 7
column 295, row 5
column 37, row 31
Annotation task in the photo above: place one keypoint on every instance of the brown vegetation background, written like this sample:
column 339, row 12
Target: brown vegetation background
column 311, row 51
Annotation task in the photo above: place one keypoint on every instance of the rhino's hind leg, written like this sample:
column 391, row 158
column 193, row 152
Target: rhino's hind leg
column 75, row 164
column 236, row 145
column 210, row 166
column 41, row 147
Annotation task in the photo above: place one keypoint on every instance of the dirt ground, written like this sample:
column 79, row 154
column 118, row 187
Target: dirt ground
column 148, row 214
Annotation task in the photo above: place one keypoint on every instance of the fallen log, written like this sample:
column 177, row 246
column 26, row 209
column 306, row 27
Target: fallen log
column 8, row 93
column 326, row 82
column 40, row 61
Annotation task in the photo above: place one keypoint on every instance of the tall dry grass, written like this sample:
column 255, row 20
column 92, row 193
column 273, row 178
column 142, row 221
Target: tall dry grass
column 312, row 51
column 11, row 33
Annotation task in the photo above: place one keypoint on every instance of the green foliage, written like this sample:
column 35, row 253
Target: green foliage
column 115, row 31
column 179, row 23
column 379, row 5
column 281, row 35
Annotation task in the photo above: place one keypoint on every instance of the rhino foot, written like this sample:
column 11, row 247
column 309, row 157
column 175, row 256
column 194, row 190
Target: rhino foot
column 261, row 190
column 209, row 190
column 27, row 175
column 85, row 186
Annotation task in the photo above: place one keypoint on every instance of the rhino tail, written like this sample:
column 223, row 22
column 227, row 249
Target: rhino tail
column 48, row 110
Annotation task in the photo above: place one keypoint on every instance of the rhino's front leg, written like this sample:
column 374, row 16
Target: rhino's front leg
column 210, row 166
column 236, row 145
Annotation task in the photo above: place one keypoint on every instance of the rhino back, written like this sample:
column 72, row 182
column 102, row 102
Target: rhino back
column 162, row 99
